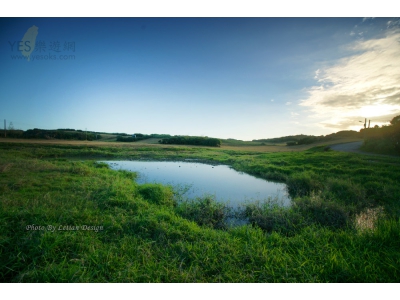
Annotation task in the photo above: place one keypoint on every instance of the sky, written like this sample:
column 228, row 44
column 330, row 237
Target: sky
column 242, row 78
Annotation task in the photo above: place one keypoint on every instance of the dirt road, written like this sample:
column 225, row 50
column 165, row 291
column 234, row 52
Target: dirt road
column 354, row 147
column 349, row 147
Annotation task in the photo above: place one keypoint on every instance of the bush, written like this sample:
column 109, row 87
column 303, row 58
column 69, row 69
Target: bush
column 129, row 139
column 189, row 140
column 121, row 138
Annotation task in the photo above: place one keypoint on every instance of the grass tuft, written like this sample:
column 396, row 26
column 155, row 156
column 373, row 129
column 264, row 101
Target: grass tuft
column 205, row 211
column 157, row 194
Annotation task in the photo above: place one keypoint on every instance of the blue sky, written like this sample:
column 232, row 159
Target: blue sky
column 244, row 78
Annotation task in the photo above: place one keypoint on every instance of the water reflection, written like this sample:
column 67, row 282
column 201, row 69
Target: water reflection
column 226, row 184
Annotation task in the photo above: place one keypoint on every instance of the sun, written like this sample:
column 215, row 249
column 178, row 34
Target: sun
column 371, row 111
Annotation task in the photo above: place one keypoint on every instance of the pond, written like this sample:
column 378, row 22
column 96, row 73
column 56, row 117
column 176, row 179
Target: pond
column 221, row 181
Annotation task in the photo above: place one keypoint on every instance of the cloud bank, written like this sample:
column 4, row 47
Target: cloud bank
column 363, row 85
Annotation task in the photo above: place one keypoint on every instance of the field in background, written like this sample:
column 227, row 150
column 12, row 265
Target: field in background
column 153, row 142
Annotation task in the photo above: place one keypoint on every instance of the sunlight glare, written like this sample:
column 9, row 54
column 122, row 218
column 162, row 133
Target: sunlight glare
column 377, row 110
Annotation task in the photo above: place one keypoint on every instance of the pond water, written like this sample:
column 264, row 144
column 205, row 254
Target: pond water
column 221, row 181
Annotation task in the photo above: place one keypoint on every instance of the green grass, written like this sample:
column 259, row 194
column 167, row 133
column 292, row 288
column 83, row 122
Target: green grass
column 149, row 235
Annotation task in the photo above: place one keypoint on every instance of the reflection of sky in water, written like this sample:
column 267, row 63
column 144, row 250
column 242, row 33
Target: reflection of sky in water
column 223, row 182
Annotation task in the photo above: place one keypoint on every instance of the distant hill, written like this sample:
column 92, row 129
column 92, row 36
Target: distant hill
column 284, row 139
column 76, row 134
column 302, row 139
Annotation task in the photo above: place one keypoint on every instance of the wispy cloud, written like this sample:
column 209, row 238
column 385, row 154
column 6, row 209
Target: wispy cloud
column 317, row 73
column 288, row 103
column 363, row 85
column 272, row 100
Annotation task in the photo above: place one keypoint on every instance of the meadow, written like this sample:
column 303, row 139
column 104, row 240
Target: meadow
column 67, row 218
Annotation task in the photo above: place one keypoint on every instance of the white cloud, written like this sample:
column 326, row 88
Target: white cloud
column 293, row 114
column 317, row 73
column 364, row 85
column 288, row 103
column 272, row 100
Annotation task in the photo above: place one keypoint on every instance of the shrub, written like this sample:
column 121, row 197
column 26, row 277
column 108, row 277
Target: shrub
column 192, row 140
column 128, row 139
column 121, row 138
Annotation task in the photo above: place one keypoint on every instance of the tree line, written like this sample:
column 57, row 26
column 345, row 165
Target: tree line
column 128, row 138
column 283, row 139
column 384, row 139
column 131, row 138
column 306, row 140
column 37, row 133
column 192, row 140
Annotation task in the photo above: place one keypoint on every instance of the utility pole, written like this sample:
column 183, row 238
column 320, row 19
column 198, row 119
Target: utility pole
column 369, row 123
column 5, row 128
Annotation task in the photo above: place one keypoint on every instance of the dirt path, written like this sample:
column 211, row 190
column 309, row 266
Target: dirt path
column 354, row 147
column 348, row 147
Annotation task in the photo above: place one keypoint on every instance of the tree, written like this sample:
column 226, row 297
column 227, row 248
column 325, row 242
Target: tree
column 385, row 139
column 395, row 121
column 11, row 126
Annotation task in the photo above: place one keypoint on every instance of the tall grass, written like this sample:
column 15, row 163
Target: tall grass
column 205, row 211
column 343, row 225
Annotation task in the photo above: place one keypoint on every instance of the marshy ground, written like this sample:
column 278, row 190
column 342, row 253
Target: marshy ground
column 343, row 225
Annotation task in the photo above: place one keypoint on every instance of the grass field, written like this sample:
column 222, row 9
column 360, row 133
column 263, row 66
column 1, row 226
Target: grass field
column 225, row 144
column 343, row 226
